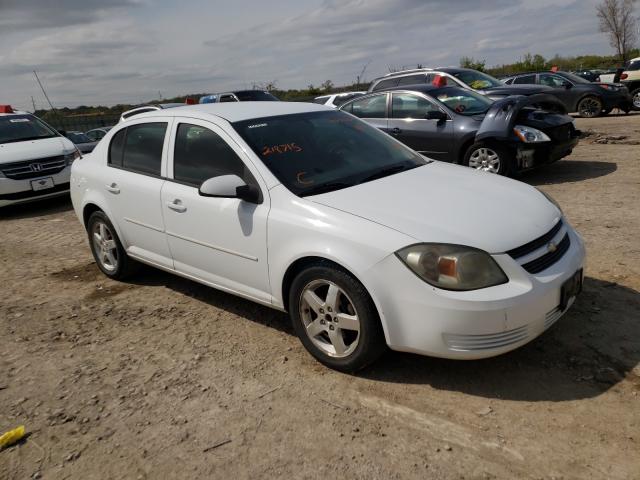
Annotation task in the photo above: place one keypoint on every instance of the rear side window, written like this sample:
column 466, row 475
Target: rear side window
column 525, row 79
column 370, row 107
column 116, row 147
column 201, row 154
column 143, row 147
column 227, row 98
column 391, row 82
column 412, row 79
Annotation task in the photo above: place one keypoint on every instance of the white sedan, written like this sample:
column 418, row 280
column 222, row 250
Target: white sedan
column 312, row 211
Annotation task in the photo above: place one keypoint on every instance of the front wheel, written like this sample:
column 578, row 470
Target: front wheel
column 590, row 107
column 335, row 318
column 489, row 158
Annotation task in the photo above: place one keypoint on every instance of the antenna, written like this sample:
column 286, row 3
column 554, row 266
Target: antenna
column 45, row 93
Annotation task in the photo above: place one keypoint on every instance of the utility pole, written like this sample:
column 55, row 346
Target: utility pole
column 33, row 103
column 43, row 91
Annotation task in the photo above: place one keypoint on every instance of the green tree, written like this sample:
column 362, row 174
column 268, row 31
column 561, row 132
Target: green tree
column 470, row 62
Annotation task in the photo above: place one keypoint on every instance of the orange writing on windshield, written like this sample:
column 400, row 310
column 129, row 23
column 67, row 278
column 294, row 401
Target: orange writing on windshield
column 282, row 148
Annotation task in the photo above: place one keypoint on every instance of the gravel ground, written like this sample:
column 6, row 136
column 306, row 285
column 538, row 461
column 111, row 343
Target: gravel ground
column 160, row 377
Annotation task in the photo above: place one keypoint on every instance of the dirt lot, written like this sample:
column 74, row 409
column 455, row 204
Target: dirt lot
column 149, row 379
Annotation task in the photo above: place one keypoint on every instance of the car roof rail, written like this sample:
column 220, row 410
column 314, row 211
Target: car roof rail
column 410, row 70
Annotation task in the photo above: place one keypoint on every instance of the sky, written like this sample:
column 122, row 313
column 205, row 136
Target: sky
column 104, row 52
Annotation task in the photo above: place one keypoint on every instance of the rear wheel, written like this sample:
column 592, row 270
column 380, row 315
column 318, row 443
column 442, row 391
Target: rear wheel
column 489, row 157
column 107, row 249
column 335, row 318
column 590, row 107
column 636, row 98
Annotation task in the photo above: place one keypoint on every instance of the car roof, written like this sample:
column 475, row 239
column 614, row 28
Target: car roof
column 418, row 87
column 239, row 111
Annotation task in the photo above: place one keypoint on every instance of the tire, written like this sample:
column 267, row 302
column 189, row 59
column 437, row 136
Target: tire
column 635, row 99
column 107, row 249
column 326, row 305
column 480, row 156
column 589, row 107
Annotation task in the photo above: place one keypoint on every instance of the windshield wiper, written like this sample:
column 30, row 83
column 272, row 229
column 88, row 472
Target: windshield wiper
column 385, row 172
column 326, row 187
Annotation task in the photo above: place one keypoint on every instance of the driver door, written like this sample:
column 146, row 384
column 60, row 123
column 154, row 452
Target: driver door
column 221, row 241
column 407, row 122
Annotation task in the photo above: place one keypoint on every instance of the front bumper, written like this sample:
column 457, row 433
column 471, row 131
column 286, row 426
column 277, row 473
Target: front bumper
column 622, row 100
column 482, row 323
column 20, row 191
column 531, row 155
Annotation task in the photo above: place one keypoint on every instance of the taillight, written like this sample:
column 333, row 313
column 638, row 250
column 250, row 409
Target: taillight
column 624, row 76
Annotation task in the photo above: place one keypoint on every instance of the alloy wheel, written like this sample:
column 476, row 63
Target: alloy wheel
column 590, row 107
column 104, row 245
column 636, row 100
column 485, row 159
column 330, row 318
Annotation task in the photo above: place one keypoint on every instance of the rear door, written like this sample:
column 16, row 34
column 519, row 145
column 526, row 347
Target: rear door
column 372, row 109
column 222, row 241
column 407, row 122
column 134, row 179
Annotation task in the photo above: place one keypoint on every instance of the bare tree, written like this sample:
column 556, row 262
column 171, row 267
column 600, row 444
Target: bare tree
column 619, row 23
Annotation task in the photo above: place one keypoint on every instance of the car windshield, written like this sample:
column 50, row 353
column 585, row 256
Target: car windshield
column 461, row 100
column 255, row 96
column 574, row 78
column 317, row 152
column 20, row 128
column 77, row 137
column 477, row 80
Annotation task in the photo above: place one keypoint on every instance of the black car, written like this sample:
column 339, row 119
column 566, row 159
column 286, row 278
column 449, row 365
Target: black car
column 587, row 98
column 80, row 140
column 459, row 125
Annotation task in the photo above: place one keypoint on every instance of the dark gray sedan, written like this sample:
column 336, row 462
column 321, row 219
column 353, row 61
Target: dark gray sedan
column 82, row 141
column 461, row 126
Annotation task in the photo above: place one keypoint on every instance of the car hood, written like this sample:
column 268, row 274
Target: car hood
column 446, row 203
column 34, row 149
column 501, row 117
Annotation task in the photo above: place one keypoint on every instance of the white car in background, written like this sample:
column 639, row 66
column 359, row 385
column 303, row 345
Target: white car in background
column 35, row 159
column 336, row 99
column 310, row 210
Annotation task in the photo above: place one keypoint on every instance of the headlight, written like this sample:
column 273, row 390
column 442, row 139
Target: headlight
column 530, row 134
column 452, row 267
column 70, row 157
column 552, row 200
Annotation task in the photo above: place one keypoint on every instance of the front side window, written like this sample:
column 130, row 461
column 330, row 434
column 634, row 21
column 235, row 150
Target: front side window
column 524, row 79
column 405, row 105
column 143, row 147
column 370, row 107
column 201, row 154
column 21, row 128
column 317, row 152
column 551, row 80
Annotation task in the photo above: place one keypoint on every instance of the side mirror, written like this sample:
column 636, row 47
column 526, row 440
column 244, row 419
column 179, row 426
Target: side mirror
column 62, row 132
column 230, row 186
column 567, row 85
column 436, row 115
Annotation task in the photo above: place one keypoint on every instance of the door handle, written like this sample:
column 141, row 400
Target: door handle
column 113, row 188
column 396, row 131
column 177, row 206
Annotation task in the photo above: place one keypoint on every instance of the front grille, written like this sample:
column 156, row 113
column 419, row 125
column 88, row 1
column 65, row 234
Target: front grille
column 34, row 168
column 545, row 261
column 63, row 187
column 466, row 343
column 561, row 133
column 534, row 245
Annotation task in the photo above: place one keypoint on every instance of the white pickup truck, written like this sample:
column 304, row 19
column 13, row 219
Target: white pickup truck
column 35, row 160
